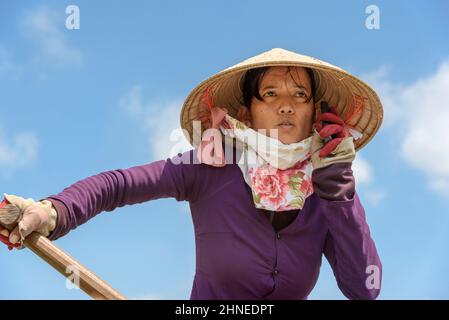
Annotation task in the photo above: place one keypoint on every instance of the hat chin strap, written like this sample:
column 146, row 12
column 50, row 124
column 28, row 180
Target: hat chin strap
column 210, row 150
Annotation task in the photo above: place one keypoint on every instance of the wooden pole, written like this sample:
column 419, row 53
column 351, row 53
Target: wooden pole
column 87, row 281
column 90, row 283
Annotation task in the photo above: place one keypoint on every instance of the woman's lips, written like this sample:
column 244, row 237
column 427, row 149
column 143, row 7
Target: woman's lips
column 286, row 125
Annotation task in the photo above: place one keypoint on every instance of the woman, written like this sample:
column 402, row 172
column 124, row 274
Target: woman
column 266, row 209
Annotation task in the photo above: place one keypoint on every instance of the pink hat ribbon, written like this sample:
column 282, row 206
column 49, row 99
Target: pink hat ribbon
column 210, row 150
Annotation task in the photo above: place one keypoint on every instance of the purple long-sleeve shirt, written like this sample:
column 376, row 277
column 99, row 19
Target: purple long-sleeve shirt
column 239, row 255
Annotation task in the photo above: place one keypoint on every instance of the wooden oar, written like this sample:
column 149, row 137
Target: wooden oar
column 87, row 281
column 90, row 283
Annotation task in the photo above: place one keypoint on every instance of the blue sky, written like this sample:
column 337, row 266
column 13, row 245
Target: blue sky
column 78, row 102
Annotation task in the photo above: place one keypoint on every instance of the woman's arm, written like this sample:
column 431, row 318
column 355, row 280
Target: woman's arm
column 175, row 177
column 349, row 247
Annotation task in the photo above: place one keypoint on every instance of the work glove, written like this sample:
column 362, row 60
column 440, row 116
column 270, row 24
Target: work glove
column 340, row 149
column 24, row 216
column 331, row 159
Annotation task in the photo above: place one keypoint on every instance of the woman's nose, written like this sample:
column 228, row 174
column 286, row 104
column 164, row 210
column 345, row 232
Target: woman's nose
column 286, row 109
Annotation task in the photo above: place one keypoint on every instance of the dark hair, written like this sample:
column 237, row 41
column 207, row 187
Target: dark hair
column 253, row 77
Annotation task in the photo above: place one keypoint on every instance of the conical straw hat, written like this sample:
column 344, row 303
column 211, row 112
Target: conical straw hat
column 356, row 102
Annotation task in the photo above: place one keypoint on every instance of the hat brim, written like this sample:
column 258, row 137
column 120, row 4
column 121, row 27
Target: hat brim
column 332, row 84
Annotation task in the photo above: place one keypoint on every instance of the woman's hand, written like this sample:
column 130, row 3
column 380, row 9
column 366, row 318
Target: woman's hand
column 340, row 149
column 24, row 216
column 332, row 175
column 4, row 237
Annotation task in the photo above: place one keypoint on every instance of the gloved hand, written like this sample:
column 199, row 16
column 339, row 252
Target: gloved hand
column 39, row 216
column 338, row 150
column 332, row 175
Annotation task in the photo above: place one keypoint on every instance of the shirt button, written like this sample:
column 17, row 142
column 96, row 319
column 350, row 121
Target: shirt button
column 276, row 272
column 278, row 236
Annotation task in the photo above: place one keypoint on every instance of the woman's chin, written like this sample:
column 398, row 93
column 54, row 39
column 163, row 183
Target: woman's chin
column 285, row 137
column 288, row 140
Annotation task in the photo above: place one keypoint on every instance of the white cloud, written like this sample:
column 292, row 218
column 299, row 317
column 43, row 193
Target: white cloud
column 440, row 185
column 20, row 153
column 363, row 171
column 419, row 116
column 388, row 92
column 46, row 29
column 160, row 120
column 7, row 64
column 48, row 47
column 375, row 197
column 364, row 174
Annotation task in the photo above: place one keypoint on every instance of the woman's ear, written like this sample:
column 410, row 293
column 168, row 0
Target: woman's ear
column 244, row 115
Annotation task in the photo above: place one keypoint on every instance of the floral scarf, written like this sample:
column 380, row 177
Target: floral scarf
column 279, row 174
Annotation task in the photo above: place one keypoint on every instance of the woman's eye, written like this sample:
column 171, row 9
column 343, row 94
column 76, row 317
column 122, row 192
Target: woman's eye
column 269, row 94
column 301, row 94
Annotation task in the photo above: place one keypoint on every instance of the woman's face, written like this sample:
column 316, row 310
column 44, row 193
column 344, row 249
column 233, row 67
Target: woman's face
column 286, row 104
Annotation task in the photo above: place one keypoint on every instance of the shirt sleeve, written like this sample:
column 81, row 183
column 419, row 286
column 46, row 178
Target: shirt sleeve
column 106, row 191
column 334, row 182
column 350, row 250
